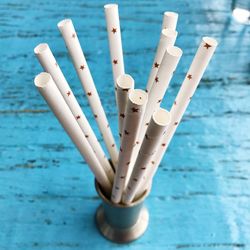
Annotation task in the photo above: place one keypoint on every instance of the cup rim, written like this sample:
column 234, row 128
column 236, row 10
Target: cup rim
column 133, row 204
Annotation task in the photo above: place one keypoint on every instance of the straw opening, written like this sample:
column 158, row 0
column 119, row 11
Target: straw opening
column 125, row 81
column 40, row 48
column 42, row 79
column 174, row 51
column 64, row 22
column 138, row 96
column 209, row 40
column 169, row 32
column 162, row 117
column 110, row 5
column 170, row 14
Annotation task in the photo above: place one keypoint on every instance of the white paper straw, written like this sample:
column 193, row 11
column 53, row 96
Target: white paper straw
column 168, row 65
column 136, row 104
column 157, row 126
column 123, row 84
column 157, row 92
column 72, row 43
column 169, row 20
column 49, row 64
column 187, row 90
column 167, row 38
column 115, row 41
column 47, row 87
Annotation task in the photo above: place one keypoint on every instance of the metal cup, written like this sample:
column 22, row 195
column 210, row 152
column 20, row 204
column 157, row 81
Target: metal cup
column 121, row 223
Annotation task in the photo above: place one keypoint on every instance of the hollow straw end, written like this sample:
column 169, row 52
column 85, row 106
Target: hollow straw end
column 41, row 48
column 42, row 80
column 210, row 41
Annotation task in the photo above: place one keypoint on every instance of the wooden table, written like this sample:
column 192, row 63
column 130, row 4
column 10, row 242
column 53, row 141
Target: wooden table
column 201, row 194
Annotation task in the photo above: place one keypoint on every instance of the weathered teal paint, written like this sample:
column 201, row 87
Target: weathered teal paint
column 201, row 195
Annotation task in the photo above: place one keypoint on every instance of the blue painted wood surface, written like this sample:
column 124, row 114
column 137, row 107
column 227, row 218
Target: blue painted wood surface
column 201, row 195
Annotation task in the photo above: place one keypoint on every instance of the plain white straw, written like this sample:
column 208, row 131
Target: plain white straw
column 72, row 43
column 47, row 88
column 49, row 64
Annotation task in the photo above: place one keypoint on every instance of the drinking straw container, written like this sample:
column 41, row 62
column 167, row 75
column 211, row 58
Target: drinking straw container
column 121, row 223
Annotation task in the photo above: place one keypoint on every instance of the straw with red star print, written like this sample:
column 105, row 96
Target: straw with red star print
column 134, row 112
column 124, row 83
column 72, row 43
column 168, row 37
column 114, row 38
column 156, row 128
column 197, row 68
column 47, row 59
column 168, row 65
column 48, row 89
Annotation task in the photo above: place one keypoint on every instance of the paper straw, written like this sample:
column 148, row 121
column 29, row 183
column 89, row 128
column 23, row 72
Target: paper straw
column 169, row 63
column 47, row 88
column 72, row 43
column 156, row 129
column 169, row 20
column 49, row 64
column 187, row 90
column 115, row 41
column 167, row 38
column 123, row 84
column 157, row 92
column 136, row 104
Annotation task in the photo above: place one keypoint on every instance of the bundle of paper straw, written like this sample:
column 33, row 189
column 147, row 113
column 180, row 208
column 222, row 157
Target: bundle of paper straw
column 145, row 128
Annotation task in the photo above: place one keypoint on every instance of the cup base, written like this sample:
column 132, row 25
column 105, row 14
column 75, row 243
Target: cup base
column 122, row 235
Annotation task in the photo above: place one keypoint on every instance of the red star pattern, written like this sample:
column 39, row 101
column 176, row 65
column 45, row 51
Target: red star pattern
column 95, row 116
column 113, row 30
column 156, row 65
column 189, row 76
column 128, row 163
column 135, row 110
column 68, row 93
column 207, row 46
column 115, row 61
column 89, row 94
column 146, row 136
column 74, row 35
column 82, row 67
column 159, row 100
column 122, row 115
column 126, row 132
column 157, row 79
column 176, row 123
column 86, row 136
column 163, row 144
column 153, row 162
column 78, row 117
column 175, row 103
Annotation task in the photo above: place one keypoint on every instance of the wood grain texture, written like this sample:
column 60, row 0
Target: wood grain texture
column 201, row 195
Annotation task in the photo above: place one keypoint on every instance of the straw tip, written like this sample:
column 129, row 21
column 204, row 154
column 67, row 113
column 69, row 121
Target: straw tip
column 138, row 96
column 125, row 81
column 162, row 117
column 110, row 5
column 210, row 40
column 171, row 14
column 40, row 48
column 64, row 22
column 42, row 79
column 174, row 51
